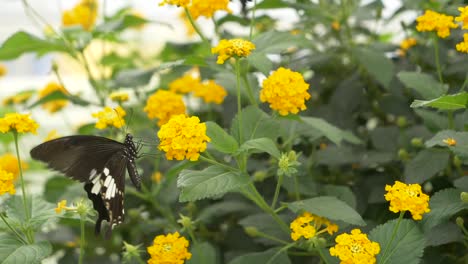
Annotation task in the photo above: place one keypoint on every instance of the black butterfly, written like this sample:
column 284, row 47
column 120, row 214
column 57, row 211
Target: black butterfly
column 100, row 163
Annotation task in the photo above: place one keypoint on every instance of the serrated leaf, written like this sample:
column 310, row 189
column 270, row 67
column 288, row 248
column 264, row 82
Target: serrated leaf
column 255, row 124
column 265, row 224
column 210, row 182
column 329, row 207
column 13, row 252
column 432, row 119
column 343, row 193
column 212, row 212
column 375, row 62
column 22, row 42
column 272, row 42
column 443, row 234
column 258, row 145
column 329, row 131
column 426, row 164
column 407, row 245
column 446, row 102
column 438, row 140
column 443, row 204
column 220, row 139
column 203, row 253
column 40, row 211
column 271, row 256
column 422, row 83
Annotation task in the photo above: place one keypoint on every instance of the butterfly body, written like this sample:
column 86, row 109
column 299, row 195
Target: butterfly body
column 100, row 163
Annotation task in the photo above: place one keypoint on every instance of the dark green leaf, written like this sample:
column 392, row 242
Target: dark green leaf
column 265, row 224
column 210, row 182
column 271, row 256
column 329, row 207
column 432, row 119
column 258, row 145
column 446, row 102
column 407, row 245
column 438, row 140
column 22, row 42
column 203, row 253
column 13, row 252
column 261, row 62
column 422, row 83
column 277, row 42
column 443, row 234
column 140, row 77
column 255, row 124
column 55, row 187
column 220, row 139
column 443, row 204
column 375, row 62
column 223, row 208
column 40, row 211
column 331, row 132
column 426, row 164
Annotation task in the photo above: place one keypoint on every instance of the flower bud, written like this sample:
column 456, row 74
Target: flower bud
column 460, row 222
column 186, row 222
column 251, row 231
column 417, row 142
column 403, row 154
column 401, row 121
column 259, row 176
column 464, row 197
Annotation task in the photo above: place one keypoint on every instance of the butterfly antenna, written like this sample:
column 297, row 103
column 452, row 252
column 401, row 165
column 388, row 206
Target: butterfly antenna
column 121, row 120
column 129, row 121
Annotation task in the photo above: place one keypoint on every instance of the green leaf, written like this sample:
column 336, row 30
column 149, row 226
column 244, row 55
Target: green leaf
column 22, row 42
column 329, row 207
column 443, row 234
column 40, row 211
column 203, row 253
column 58, row 95
column 121, row 23
column 329, row 131
column 422, row 83
column 255, row 124
column 433, row 120
column 210, row 182
column 13, row 252
column 218, row 210
column 261, row 62
column 54, row 188
column 343, row 193
column 438, row 139
column 443, row 204
column 265, row 224
column 407, row 245
column 426, row 164
column 141, row 77
column 271, row 256
column 258, row 145
column 446, row 102
column 375, row 62
column 220, row 139
column 273, row 42
column 271, row 4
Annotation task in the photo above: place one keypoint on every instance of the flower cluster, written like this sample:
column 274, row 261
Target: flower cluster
column 110, row 117
column 163, row 105
column 207, row 8
column 463, row 17
column 406, row 44
column 450, row 141
column 433, row 21
column 119, row 97
column 84, row 14
column 407, row 197
column 463, row 46
column 183, row 138
column 21, row 123
column 169, row 249
column 9, row 163
column 232, row 47
column 62, row 205
column 185, row 84
column 285, row 91
column 210, row 92
column 54, row 105
column 355, row 248
column 301, row 226
column 6, row 182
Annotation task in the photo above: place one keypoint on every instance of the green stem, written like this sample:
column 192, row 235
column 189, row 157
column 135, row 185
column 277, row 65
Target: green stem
column 277, row 191
column 239, row 105
column 195, row 26
column 13, row 230
column 437, row 59
column 272, row 238
column 252, row 20
column 214, row 162
column 451, row 124
column 319, row 250
column 285, row 248
column 249, row 91
column 464, row 84
column 395, row 229
column 192, row 236
column 281, row 208
column 82, row 239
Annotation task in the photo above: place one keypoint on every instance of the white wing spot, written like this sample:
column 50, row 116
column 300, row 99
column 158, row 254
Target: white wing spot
column 108, row 181
column 110, row 193
column 96, row 187
column 92, row 174
column 106, row 171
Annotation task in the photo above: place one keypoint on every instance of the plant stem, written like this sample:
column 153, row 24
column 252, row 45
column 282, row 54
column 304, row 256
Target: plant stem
column 285, row 248
column 277, row 191
column 249, row 91
column 252, row 20
column 451, row 124
column 214, row 162
column 394, row 232
column 239, row 105
column 82, row 239
column 13, row 230
column 195, row 26
column 296, row 188
column 464, row 84
column 322, row 256
column 272, row 238
column 437, row 59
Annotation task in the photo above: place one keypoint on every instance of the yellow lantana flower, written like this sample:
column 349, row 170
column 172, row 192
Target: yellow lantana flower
column 3, row 70
column 187, row 83
column 463, row 17
column 355, row 248
column 119, row 96
column 285, row 91
column 62, row 205
column 18, row 98
column 6, row 182
column 182, row 3
column 407, row 197
column 164, row 104
column 21, row 123
column 450, row 141
column 207, row 8
column 169, row 249
column 210, row 92
column 232, row 47
column 9, row 163
column 301, row 226
column 183, row 138
column 463, row 46
column 110, row 117
column 157, row 177
column 336, row 25
column 433, row 21
column 55, row 105
column 84, row 14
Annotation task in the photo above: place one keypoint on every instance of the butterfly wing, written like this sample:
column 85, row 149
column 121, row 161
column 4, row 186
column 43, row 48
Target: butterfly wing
column 78, row 157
